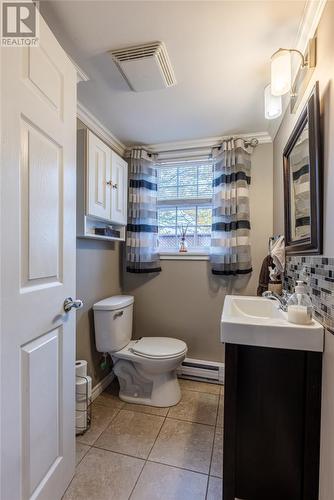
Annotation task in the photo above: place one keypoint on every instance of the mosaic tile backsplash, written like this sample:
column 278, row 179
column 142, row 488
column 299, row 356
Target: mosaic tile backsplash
column 318, row 274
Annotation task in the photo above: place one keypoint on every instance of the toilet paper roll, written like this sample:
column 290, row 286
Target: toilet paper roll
column 81, row 406
column 83, row 387
column 81, row 422
column 81, row 368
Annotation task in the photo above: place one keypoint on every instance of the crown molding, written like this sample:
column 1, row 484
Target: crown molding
column 81, row 75
column 199, row 144
column 208, row 142
column 307, row 29
column 99, row 129
column 308, row 26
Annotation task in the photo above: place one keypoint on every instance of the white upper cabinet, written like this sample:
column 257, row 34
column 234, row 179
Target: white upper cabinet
column 119, row 178
column 98, row 177
column 106, row 182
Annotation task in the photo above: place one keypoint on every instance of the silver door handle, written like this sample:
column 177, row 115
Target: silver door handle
column 69, row 304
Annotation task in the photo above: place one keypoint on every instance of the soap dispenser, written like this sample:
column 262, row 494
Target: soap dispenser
column 300, row 306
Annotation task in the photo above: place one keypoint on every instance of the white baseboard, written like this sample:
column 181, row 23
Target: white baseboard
column 103, row 384
column 198, row 369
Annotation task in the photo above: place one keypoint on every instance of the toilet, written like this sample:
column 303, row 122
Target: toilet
column 146, row 368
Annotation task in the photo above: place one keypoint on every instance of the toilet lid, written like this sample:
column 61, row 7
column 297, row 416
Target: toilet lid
column 159, row 347
column 113, row 303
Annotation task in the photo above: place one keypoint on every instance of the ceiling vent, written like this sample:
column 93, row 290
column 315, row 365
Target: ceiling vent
column 145, row 67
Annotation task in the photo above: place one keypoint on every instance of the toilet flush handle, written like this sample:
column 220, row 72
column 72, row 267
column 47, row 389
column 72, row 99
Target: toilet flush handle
column 118, row 315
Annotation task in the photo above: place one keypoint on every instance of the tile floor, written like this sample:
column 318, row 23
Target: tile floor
column 143, row 453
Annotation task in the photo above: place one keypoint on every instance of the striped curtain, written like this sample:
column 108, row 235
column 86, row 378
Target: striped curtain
column 230, row 252
column 142, row 230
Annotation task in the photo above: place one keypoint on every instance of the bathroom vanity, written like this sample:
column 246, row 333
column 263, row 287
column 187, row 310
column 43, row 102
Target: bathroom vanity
column 272, row 402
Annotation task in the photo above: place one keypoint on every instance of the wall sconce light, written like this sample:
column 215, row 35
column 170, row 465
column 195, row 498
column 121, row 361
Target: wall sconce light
column 272, row 104
column 281, row 71
column 284, row 79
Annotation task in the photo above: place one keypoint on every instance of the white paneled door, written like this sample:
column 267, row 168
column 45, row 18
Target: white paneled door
column 38, row 126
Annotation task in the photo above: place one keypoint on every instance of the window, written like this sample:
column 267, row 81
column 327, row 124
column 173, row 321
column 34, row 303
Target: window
column 185, row 201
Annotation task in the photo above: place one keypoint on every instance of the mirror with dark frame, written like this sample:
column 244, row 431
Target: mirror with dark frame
column 302, row 182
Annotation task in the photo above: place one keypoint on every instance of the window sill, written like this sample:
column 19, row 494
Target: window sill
column 191, row 255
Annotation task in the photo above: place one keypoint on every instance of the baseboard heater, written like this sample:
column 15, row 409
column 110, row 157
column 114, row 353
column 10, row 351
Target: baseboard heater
column 205, row 371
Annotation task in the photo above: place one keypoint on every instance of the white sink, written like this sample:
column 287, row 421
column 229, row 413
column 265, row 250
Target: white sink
column 257, row 321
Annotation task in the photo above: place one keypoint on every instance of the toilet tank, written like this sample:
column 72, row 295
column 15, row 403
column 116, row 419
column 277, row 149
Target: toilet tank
column 113, row 322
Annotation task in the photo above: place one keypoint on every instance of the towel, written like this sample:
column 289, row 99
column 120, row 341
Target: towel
column 278, row 255
column 264, row 278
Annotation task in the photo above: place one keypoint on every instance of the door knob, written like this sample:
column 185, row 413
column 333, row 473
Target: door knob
column 69, row 304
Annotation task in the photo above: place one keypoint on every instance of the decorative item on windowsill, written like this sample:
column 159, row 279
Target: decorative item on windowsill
column 183, row 247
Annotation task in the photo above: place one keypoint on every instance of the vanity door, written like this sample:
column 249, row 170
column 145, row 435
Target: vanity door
column 272, row 412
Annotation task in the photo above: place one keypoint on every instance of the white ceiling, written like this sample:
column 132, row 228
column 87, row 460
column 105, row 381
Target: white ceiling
column 220, row 52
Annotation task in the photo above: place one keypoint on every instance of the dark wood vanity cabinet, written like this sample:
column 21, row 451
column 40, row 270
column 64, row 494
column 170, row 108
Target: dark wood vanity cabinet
column 271, row 423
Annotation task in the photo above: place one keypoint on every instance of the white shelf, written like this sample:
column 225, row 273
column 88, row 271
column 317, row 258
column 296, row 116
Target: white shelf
column 98, row 237
column 87, row 230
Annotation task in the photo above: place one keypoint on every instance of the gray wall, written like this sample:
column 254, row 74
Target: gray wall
column 98, row 276
column 324, row 72
column 185, row 300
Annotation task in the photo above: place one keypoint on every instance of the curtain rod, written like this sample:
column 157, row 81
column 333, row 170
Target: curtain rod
column 185, row 159
column 253, row 141
column 248, row 142
column 197, row 154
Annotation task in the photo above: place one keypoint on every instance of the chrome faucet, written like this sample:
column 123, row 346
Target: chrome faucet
column 281, row 299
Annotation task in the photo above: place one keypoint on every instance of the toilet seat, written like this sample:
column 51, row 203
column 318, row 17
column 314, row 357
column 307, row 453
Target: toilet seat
column 159, row 347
